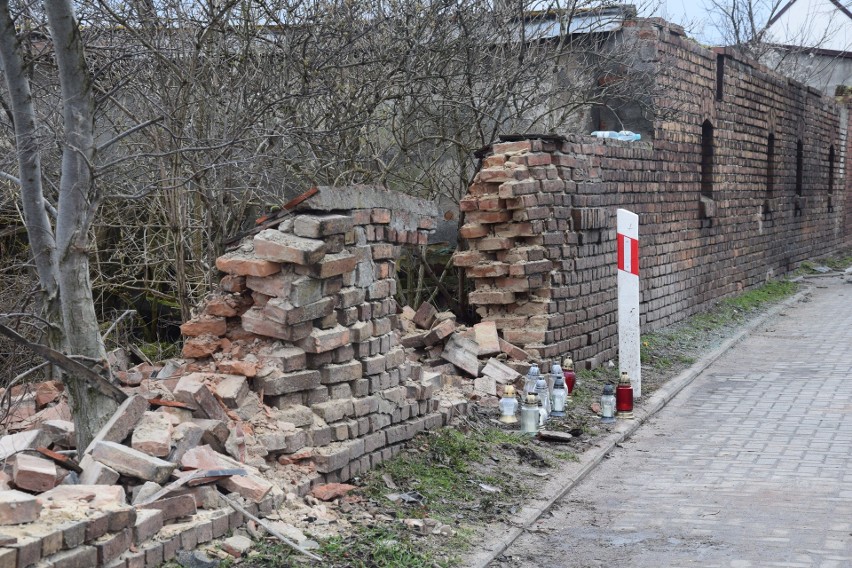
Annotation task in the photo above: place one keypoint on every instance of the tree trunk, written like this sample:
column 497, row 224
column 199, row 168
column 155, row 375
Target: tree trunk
column 78, row 201
column 39, row 230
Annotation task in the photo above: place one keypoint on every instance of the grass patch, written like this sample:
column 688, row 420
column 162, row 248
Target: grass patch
column 442, row 467
column 837, row 263
column 675, row 347
column 376, row 546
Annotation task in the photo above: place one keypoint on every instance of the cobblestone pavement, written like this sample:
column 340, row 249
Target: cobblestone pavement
column 751, row 465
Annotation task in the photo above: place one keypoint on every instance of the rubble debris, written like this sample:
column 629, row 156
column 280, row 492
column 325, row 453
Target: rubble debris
column 297, row 375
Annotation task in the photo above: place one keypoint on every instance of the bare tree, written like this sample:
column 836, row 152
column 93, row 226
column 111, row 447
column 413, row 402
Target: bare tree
column 200, row 114
column 60, row 248
column 799, row 39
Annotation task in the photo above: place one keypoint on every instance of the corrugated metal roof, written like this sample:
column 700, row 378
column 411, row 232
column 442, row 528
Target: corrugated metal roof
column 546, row 24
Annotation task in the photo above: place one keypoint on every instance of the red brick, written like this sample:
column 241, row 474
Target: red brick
column 331, row 491
column 17, row 507
column 233, row 284
column 487, row 217
column 204, row 325
column 466, row 258
column 473, row 231
column 201, row 347
column 489, row 270
column 239, row 264
column 483, row 297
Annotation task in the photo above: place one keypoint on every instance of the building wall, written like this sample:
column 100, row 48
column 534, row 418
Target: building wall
column 540, row 215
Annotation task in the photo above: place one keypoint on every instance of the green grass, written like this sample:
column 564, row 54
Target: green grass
column 838, row 263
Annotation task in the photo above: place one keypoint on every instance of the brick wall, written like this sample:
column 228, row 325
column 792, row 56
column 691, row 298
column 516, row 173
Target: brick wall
column 540, row 215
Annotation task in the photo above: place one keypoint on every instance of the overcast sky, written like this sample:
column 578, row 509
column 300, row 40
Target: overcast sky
column 692, row 15
column 808, row 22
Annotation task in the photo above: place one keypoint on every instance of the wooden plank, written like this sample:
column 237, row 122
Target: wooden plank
column 60, row 460
column 170, row 403
column 267, row 221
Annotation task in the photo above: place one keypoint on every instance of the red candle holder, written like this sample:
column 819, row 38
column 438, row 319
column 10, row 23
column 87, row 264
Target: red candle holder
column 569, row 375
column 624, row 397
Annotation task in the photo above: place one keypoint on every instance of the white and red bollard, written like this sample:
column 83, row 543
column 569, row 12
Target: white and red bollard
column 628, row 298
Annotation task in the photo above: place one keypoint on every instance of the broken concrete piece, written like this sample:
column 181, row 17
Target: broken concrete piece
column 132, row 463
column 17, row 507
column 125, row 418
column 462, row 352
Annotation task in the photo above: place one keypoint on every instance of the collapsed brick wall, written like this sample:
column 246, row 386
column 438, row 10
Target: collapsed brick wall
column 306, row 323
column 539, row 228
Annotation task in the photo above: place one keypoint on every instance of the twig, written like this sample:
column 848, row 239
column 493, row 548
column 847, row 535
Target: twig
column 138, row 352
column 69, row 365
column 270, row 529
column 440, row 286
column 6, row 400
column 115, row 323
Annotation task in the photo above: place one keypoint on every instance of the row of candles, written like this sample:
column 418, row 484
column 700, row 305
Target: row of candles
column 539, row 401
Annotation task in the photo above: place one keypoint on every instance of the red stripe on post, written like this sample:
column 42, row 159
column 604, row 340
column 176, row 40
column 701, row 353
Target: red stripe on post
column 634, row 254
column 628, row 254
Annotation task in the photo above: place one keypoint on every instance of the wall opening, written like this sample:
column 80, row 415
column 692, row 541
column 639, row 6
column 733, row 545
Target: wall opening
column 707, row 152
column 800, row 158
column 720, row 76
column 770, row 165
column 831, row 168
column 831, row 178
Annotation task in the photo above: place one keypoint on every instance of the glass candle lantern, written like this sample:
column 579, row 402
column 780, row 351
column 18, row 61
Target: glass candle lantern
column 543, row 392
column 608, row 404
column 624, row 397
column 569, row 375
column 508, row 406
column 559, row 396
column 532, row 377
column 530, row 414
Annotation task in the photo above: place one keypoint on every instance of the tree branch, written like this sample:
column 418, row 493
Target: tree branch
column 69, row 365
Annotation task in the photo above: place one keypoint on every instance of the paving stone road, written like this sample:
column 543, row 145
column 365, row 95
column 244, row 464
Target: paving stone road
column 751, row 465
